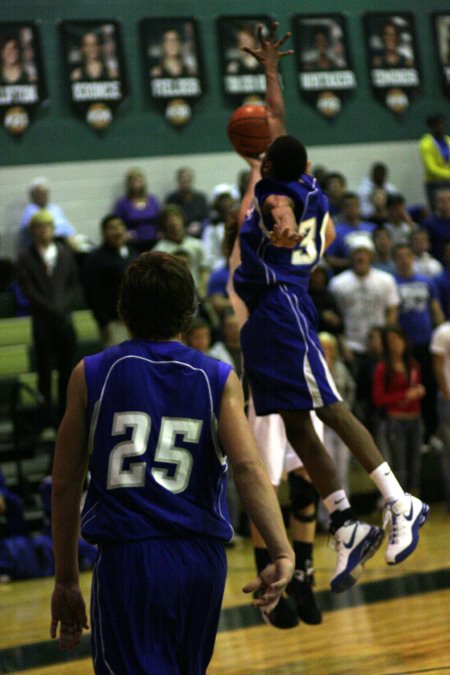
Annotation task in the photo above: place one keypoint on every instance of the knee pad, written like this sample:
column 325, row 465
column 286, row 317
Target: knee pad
column 302, row 494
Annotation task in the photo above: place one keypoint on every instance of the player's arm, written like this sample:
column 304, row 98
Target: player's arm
column 257, row 494
column 268, row 54
column 69, row 470
column 280, row 209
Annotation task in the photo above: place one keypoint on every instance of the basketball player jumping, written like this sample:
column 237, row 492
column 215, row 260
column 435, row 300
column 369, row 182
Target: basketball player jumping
column 282, row 238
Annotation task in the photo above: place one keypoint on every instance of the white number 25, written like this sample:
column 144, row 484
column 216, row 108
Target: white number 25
column 166, row 451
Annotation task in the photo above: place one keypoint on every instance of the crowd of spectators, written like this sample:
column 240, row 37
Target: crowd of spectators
column 381, row 290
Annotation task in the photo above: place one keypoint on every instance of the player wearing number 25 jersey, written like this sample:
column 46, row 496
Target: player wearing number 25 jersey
column 282, row 354
column 153, row 420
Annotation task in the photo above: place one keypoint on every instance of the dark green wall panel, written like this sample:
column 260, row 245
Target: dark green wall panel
column 138, row 130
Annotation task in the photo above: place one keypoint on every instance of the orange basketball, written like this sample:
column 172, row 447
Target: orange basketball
column 248, row 130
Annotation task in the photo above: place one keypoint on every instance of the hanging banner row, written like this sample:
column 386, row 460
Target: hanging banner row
column 174, row 71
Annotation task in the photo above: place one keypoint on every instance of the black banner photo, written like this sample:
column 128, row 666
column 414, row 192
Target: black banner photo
column 441, row 24
column 393, row 60
column 173, row 69
column 22, row 82
column 325, row 74
column 242, row 75
column 94, row 69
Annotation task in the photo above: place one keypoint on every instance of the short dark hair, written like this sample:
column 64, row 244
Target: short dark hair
column 157, row 296
column 107, row 219
column 394, row 199
column 288, row 158
column 431, row 120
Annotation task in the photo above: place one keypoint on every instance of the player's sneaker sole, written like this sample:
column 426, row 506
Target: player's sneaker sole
column 360, row 555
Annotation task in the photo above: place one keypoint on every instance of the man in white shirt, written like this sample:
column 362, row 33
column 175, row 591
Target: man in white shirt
column 440, row 350
column 376, row 179
column 366, row 296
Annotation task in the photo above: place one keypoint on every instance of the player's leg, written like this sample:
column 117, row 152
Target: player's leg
column 303, row 501
column 355, row 542
column 405, row 512
column 270, row 437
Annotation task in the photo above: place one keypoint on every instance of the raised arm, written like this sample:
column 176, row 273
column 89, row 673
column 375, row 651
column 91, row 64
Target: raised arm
column 257, row 495
column 268, row 54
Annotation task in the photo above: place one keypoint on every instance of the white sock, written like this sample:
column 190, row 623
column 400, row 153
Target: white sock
column 386, row 482
column 337, row 501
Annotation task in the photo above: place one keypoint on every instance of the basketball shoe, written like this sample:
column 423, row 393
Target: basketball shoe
column 282, row 616
column 405, row 516
column 355, row 543
column 300, row 589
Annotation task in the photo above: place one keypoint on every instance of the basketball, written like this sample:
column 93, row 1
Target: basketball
column 248, row 130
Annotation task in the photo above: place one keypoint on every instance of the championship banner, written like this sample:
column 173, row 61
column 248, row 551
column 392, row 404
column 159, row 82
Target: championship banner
column 242, row 75
column 22, row 82
column 172, row 64
column 95, row 69
column 393, row 61
column 325, row 74
column 441, row 23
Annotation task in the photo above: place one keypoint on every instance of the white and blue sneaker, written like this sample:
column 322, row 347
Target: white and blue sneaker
column 355, row 543
column 406, row 516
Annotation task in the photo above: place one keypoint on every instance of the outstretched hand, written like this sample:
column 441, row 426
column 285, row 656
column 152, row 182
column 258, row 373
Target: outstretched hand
column 69, row 611
column 271, row 581
column 269, row 49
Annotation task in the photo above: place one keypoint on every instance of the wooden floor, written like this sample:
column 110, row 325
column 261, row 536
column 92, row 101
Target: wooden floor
column 396, row 620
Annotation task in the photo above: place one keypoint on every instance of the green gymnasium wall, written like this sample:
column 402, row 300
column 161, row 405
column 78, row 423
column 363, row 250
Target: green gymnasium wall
column 57, row 135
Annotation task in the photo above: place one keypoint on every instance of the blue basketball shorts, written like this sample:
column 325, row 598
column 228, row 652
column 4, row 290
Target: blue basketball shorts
column 155, row 606
column 283, row 359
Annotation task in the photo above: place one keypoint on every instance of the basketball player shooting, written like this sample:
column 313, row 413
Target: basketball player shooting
column 283, row 235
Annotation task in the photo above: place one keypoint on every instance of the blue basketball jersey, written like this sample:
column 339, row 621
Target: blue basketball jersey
column 156, row 465
column 264, row 265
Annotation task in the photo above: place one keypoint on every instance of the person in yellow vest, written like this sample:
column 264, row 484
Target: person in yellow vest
column 434, row 148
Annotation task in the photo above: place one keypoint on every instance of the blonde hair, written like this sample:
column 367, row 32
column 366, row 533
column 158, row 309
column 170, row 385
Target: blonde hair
column 41, row 217
column 329, row 339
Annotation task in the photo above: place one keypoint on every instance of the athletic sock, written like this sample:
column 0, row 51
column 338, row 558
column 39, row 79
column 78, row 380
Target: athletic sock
column 386, row 482
column 337, row 501
column 339, row 518
column 262, row 558
column 303, row 555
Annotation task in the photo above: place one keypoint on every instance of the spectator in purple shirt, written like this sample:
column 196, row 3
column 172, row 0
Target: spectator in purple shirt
column 139, row 210
column 348, row 226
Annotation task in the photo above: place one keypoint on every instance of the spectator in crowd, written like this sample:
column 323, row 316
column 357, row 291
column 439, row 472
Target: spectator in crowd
column 174, row 238
column 39, row 193
column 366, row 297
column 349, row 226
column 419, row 312
column 11, row 511
column 321, row 173
column 440, row 350
column 424, row 262
column 442, row 281
column 382, row 241
column 102, row 272
column 376, row 180
column 192, row 202
column 434, row 148
column 48, row 275
column 379, row 212
column 438, row 222
column 398, row 388
column 139, row 210
column 223, row 208
column 364, row 407
column 329, row 315
column 335, row 185
column 399, row 222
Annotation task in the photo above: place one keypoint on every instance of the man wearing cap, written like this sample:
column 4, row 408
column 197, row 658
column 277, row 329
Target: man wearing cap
column 39, row 192
column 366, row 297
column 48, row 276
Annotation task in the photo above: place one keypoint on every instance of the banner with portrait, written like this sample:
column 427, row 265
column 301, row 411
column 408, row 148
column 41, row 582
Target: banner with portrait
column 393, row 59
column 325, row 74
column 94, row 68
column 441, row 23
column 242, row 75
column 22, row 83
column 172, row 66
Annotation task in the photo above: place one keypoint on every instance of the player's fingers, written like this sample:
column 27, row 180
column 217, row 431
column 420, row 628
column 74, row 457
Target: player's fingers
column 288, row 52
column 253, row 585
column 283, row 39
column 273, row 29
column 53, row 628
column 260, row 33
